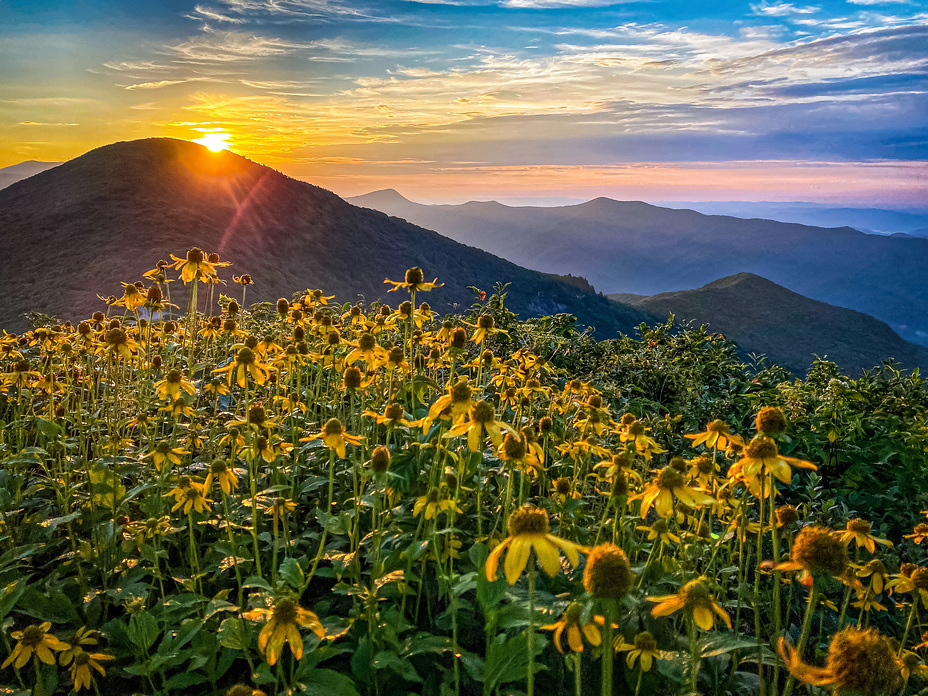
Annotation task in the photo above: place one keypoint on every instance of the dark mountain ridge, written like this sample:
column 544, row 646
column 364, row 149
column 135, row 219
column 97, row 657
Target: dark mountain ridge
column 77, row 230
column 635, row 247
column 791, row 330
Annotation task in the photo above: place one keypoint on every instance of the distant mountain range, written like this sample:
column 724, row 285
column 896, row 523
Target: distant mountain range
column 913, row 221
column 16, row 172
column 791, row 330
column 78, row 229
column 634, row 247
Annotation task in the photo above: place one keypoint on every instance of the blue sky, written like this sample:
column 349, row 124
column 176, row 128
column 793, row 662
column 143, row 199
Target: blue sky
column 447, row 100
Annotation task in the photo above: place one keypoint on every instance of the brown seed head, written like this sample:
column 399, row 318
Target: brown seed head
column 485, row 321
column 545, row 425
column 458, row 338
column 645, row 641
column 256, row 414
column 351, row 379
column 919, row 578
column 771, row 421
column 395, row 355
column 678, row 463
column 245, row 356
column 858, row 526
column 607, row 574
column 116, row 337
column 333, row 426
column 218, row 466
column 761, row 447
column 820, row 551
column 283, row 307
column 528, row 519
column 787, row 514
column 669, row 478
column 380, row 459
column 285, row 611
column 195, row 255
column 33, row 635
column 414, row 276
column 395, row 411
column 863, row 662
column 514, row 447
column 483, row 413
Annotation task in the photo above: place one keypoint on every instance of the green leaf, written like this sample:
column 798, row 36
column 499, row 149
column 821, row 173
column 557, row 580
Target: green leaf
column 292, row 574
column 10, row 594
column 184, row 680
column 387, row 659
column 143, row 630
column 234, row 634
column 716, row 644
column 55, row 606
column 327, row 682
column 260, row 583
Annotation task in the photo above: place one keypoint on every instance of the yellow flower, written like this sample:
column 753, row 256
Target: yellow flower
column 221, row 472
column 858, row 530
column 163, row 452
column 178, row 407
column 876, row 571
column 190, row 497
column 644, row 649
column 562, row 489
column 195, row 266
column 245, row 364
column 663, row 487
column 762, row 458
column 132, row 297
column 413, row 282
column 660, row 530
column 482, row 422
column 458, row 400
column 433, row 504
column 919, row 533
column 282, row 627
column 394, row 414
column 367, row 350
column 516, row 451
column 334, row 437
column 716, row 436
column 34, row 639
column 570, row 622
column 529, row 530
column 695, row 597
column 171, row 386
column 636, row 432
column 81, row 663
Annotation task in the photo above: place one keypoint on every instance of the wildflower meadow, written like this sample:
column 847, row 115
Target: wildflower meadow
column 202, row 497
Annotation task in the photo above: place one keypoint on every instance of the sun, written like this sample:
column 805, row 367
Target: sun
column 214, row 141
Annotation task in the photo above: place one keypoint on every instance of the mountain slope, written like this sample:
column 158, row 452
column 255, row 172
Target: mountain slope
column 763, row 317
column 17, row 172
column 633, row 247
column 78, row 229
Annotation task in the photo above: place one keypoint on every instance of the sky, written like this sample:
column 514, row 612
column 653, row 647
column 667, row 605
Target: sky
column 452, row 100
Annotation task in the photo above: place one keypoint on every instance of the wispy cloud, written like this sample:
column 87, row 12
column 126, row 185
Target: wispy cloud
column 782, row 9
column 44, row 123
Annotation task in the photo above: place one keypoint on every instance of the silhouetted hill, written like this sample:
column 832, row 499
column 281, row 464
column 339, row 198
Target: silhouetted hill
column 78, row 229
column 16, row 172
column 633, row 247
column 763, row 317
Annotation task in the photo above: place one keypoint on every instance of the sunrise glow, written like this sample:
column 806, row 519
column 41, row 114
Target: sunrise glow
column 214, row 141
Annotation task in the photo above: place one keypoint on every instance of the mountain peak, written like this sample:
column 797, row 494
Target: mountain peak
column 385, row 196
